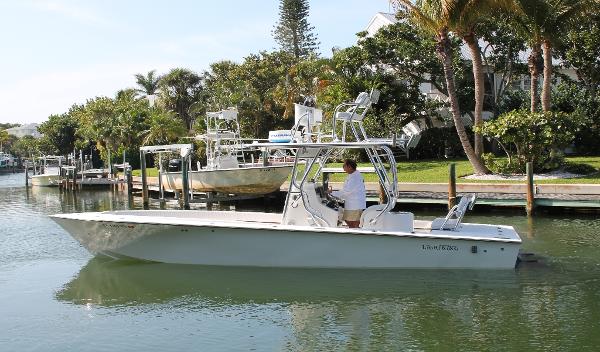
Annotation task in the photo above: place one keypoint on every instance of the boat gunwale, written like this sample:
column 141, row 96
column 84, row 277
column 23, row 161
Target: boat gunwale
column 273, row 226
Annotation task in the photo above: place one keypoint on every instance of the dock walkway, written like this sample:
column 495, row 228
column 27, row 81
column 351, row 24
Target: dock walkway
column 496, row 194
column 582, row 196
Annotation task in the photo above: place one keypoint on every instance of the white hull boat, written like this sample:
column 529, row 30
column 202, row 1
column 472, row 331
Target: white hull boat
column 45, row 180
column 260, row 240
column 48, row 173
column 244, row 180
column 7, row 161
column 227, row 169
column 307, row 234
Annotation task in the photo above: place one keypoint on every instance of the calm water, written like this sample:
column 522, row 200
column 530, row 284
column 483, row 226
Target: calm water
column 54, row 296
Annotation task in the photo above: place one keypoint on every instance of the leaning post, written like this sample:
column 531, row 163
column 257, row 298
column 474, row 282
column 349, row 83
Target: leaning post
column 145, row 200
column 530, row 190
column 451, row 185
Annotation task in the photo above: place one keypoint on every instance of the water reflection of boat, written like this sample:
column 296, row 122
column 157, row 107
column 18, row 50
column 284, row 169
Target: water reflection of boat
column 107, row 282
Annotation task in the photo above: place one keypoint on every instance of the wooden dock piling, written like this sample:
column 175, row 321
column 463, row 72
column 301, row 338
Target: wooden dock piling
column 145, row 200
column 530, row 190
column 451, row 185
column 129, row 180
column 185, row 183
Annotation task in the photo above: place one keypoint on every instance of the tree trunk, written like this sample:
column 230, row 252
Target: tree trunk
column 547, row 87
column 532, row 63
column 445, row 54
column 478, row 78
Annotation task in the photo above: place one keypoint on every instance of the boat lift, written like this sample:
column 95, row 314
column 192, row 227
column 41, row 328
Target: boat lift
column 184, row 151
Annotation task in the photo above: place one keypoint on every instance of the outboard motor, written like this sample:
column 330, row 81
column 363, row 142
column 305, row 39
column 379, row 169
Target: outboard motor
column 174, row 165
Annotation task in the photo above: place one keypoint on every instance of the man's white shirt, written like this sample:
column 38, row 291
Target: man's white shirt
column 353, row 193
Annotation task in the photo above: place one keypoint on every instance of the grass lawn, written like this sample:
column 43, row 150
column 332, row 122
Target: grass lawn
column 436, row 171
column 151, row 171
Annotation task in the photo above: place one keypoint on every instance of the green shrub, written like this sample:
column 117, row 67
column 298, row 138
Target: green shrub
column 571, row 97
column 500, row 165
column 580, row 169
column 533, row 137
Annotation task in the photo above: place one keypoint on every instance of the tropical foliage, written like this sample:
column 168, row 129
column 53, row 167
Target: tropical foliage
column 536, row 137
column 148, row 83
column 436, row 43
column 180, row 88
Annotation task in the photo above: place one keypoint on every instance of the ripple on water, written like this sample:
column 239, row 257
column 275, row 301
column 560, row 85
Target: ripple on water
column 61, row 301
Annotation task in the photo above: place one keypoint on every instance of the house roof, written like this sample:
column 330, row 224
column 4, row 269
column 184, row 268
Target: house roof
column 381, row 19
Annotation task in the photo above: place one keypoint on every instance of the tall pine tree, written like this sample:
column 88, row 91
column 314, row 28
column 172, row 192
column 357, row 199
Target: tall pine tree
column 293, row 32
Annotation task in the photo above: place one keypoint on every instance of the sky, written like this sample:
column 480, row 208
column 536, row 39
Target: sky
column 56, row 53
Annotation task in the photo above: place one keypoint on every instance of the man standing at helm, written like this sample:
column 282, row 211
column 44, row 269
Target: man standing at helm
column 353, row 193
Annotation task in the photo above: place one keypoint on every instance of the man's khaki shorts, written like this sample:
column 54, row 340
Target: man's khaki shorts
column 352, row 215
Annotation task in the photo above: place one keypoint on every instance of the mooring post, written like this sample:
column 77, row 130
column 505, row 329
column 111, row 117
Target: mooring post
column 160, row 185
column 451, row 185
column 75, row 177
column 26, row 174
column 129, row 180
column 61, row 179
column 185, row 184
column 145, row 200
column 530, row 190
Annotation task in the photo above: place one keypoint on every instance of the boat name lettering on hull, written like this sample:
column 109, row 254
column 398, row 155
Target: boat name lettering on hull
column 119, row 226
column 440, row 247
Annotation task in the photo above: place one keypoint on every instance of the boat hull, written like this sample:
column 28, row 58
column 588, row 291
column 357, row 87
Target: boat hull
column 45, row 180
column 250, row 180
column 261, row 244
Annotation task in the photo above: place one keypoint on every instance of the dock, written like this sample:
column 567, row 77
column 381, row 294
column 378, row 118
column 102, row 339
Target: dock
column 582, row 197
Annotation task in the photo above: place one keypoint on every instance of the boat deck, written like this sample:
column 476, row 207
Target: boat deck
column 272, row 221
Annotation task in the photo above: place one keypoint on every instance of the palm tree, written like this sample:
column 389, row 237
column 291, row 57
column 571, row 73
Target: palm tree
column 164, row 128
column 180, row 88
column 468, row 14
column 439, row 17
column 543, row 22
column 561, row 12
column 148, row 82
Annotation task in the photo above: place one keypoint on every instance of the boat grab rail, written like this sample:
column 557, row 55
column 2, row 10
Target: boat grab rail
column 458, row 211
column 389, row 186
column 304, row 195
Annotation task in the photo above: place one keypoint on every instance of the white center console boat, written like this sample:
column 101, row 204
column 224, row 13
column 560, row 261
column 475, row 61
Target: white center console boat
column 307, row 234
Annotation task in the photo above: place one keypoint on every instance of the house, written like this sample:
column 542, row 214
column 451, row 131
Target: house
column 30, row 129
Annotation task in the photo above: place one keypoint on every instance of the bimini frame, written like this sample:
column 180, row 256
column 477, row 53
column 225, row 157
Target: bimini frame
column 314, row 157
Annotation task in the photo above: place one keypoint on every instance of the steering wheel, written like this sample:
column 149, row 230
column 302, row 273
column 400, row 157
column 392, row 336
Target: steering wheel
column 332, row 201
